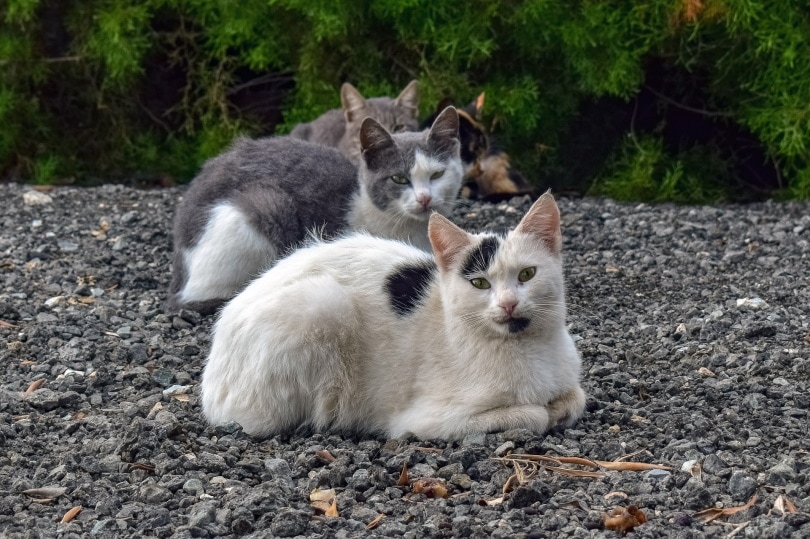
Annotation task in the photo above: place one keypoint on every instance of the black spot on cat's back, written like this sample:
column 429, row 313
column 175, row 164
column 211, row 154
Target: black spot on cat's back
column 481, row 257
column 408, row 285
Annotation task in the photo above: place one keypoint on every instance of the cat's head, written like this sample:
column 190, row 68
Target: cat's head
column 397, row 115
column 503, row 285
column 410, row 175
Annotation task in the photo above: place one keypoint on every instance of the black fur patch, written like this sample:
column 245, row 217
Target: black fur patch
column 481, row 257
column 408, row 285
column 516, row 325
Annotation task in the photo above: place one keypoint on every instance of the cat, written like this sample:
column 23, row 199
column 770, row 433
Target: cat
column 259, row 199
column 488, row 171
column 372, row 335
column 340, row 128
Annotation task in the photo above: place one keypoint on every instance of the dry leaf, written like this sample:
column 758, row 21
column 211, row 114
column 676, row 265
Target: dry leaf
column 325, row 455
column 23, row 417
column 706, row 372
column 511, row 483
column 28, row 362
column 707, row 515
column 574, row 473
column 612, row 269
column 784, row 505
column 373, row 524
column 33, row 386
column 324, row 501
column 403, row 480
column 111, row 334
column 70, row 515
column 432, row 487
column 496, row 501
column 45, row 492
column 631, row 466
column 624, row 519
column 4, row 324
column 616, row 494
column 182, row 397
column 78, row 416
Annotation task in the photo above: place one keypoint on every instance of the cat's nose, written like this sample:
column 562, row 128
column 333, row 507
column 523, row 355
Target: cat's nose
column 424, row 199
column 509, row 306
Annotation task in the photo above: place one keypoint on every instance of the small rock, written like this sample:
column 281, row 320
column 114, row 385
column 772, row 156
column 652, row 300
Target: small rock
column 504, row 448
column 529, row 493
column 163, row 377
column 278, row 468
column 202, row 513
column 35, row 198
column 476, row 438
column 658, row 475
column 153, row 494
column 289, row 523
column 752, row 303
column 177, row 390
column 193, row 487
column 55, row 301
column 742, row 486
column 179, row 323
column 67, row 246
column 46, row 318
column 781, row 474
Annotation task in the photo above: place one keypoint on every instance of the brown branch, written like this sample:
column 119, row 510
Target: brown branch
column 687, row 107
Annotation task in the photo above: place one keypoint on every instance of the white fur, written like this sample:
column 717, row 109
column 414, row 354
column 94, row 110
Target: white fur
column 229, row 253
column 315, row 340
column 407, row 220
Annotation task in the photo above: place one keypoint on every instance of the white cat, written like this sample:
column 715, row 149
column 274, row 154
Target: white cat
column 370, row 334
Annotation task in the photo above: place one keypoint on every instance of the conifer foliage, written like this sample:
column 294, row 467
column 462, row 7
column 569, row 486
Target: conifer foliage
column 660, row 100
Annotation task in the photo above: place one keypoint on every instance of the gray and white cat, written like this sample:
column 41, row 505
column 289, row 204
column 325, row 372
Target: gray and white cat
column 261, row 198
column 374, row 335
column 340, row 128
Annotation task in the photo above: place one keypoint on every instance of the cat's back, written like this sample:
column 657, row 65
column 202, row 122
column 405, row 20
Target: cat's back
column 328, row 128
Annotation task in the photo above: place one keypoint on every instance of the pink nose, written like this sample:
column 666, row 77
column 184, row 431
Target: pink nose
column 509, row 307
column 423, row 199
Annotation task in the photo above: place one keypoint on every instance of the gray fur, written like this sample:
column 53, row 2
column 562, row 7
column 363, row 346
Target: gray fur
column 265, row 178
column 340, row 128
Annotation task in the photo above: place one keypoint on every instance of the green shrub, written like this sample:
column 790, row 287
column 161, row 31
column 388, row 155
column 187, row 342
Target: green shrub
column 151, row 88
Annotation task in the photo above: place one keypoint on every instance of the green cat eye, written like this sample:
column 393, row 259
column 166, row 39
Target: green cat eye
column 480, row 282
column 526, row 274
column 437, row 175
column 402, row 180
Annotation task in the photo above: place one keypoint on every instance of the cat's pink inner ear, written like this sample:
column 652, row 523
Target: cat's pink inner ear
column 447, row 240
column 543, row 222
column 374, row 136
column 352, row 101
column 409, row 97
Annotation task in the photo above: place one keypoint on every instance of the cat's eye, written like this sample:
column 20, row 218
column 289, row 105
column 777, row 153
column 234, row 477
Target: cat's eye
column 398, row 128
column 437, row 175
column 402, row 180
column 526, row 274
column 481, row 283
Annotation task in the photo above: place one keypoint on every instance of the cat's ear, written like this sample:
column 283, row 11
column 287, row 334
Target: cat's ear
column 409, row 97
column 374, row 139
column 353, row 102
column 443, row 134
column 543, row 222
column 475, row 107
column 447, row 240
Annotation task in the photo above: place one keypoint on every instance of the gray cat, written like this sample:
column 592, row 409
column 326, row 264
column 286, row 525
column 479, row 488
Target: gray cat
column 340, row 128
column 261, row 198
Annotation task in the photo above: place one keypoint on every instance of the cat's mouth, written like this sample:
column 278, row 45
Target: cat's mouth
column 515, row 324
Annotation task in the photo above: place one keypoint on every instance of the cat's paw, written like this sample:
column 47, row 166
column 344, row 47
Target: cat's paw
column 567, row 408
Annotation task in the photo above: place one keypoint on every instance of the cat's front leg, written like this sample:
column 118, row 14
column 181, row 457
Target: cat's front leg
column 567, row 408
column 533, row 417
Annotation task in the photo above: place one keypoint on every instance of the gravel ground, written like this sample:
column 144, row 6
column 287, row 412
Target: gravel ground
column 693, row 323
